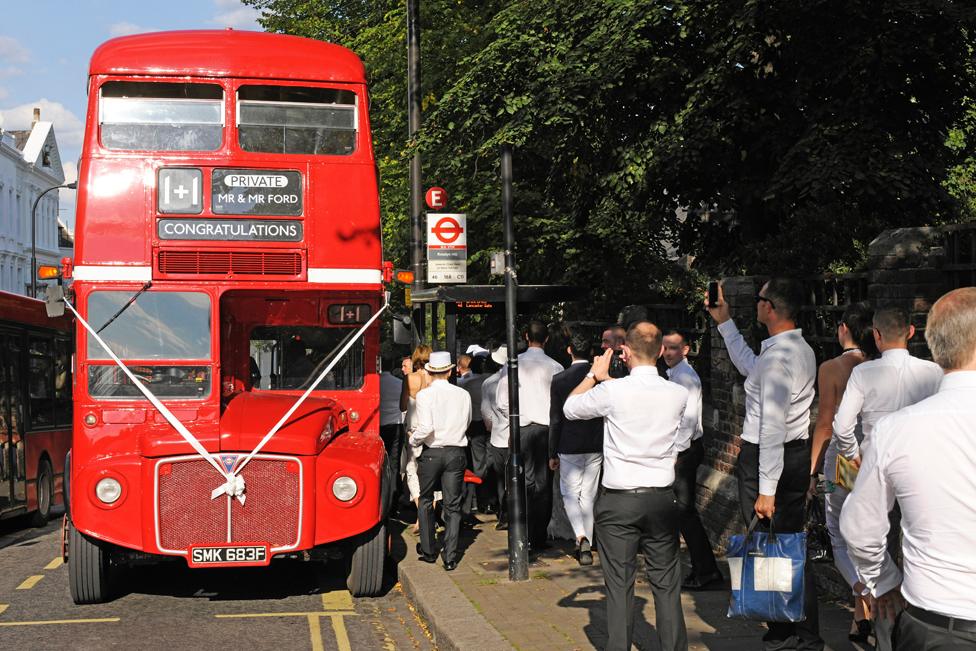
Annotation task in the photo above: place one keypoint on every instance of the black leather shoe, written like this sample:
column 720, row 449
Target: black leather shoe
column 450, row 566
column 426, row 558
column 502, row 525
column 695, row 582
column 863, row 631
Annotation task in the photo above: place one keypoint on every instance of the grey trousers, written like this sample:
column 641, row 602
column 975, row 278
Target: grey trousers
column 647, row 522
column 912, row 634
column 446, row 467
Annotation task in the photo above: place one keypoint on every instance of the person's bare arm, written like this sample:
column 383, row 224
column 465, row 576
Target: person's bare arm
column 829, row 386
column 405, row 392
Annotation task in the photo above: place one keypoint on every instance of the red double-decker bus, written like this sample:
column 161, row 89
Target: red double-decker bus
column 35, row 407
column 227, row 279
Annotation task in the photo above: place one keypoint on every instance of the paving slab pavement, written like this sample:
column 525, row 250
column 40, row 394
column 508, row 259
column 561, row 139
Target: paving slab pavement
column 561, row 607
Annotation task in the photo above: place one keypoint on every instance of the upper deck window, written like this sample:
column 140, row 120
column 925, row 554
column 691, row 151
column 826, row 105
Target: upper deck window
column 148, row 116
column 296, row 120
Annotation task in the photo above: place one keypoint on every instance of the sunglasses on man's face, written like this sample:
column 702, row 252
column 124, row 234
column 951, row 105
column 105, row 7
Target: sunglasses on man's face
column 760, row 298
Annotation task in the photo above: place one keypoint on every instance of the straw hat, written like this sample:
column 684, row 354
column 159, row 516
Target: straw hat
column 500, row 356
column 439, row 362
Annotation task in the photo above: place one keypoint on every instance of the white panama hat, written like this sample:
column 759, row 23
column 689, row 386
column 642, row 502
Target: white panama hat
column 500, row 356
column 440, row 361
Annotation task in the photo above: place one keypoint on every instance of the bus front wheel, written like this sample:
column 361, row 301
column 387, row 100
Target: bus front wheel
column 365, row 577
column 88, row 568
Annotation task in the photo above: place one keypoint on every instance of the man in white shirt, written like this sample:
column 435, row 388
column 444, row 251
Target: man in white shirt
column 691, row 452
column 443, row 415
column 924, row 457
column 636, row 509
column 496, row 423
column 535, row 371
column 774, row 458
column 875, row 389
column 882, row 386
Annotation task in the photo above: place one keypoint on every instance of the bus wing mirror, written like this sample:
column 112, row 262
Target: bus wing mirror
column 401, row 330
column 54, row 303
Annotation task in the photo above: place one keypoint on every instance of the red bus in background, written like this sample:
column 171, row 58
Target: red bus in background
column 35, row 407
column 228, row 253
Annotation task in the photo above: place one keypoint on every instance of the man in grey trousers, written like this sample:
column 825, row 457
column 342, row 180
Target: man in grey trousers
column 636, row 508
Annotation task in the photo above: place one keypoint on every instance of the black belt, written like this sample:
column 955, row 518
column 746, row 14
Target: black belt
column 942, row 621
column 795, row 443
column 638, row 491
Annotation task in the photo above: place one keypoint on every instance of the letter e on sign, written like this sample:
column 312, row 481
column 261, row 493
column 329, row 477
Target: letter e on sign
column 436, row 198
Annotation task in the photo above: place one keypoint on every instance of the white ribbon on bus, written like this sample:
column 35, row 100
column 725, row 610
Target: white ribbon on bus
column 234, row 485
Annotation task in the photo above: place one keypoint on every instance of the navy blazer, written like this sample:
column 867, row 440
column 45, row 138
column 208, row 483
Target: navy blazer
column 571, row 436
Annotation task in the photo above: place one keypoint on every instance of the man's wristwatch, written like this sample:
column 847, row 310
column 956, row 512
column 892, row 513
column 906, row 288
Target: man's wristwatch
column 591, row 375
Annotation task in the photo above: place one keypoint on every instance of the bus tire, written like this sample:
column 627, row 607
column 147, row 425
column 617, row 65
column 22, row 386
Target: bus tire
column 45, row 494
column 366, row 564
column 88, row 568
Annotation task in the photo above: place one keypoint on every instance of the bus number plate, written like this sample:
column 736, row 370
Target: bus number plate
column 229, row 555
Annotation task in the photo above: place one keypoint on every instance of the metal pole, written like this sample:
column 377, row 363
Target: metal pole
column 518, row 547
column 416, row 188
column 34, row 234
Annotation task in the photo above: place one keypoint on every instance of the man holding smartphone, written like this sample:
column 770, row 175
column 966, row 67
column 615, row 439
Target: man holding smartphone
column 774, row 458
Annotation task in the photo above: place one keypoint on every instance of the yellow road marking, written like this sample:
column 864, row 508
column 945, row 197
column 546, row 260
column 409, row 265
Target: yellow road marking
column 62, row 621
column 337, row 600
column 3, row 607
column 342, row 637
column 55, row 564
column 315, row 632
column 30, row 582
column 250, row 615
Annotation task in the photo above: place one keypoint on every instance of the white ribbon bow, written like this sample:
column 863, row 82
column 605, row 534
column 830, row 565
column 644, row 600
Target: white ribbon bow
column 233, row 487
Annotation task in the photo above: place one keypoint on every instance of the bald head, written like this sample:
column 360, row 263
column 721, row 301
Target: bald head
column 951, row 330
column 644, row 341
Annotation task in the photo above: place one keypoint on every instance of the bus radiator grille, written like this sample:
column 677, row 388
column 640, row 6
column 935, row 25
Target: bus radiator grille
column 247, row 263
column 271, row 512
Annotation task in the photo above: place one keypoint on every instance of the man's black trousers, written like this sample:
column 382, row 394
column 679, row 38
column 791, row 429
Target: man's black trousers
column 538, row 482
column 478, row 464
column 443, row 467
column 685, row 482
column 498, row 464
column 392, row 436
column 647, row 522
column 790, row 517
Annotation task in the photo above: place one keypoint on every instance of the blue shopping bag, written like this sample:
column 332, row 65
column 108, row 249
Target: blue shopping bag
column 766, row 572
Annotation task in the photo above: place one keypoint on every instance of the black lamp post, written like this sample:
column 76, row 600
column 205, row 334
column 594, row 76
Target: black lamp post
column 70, row 186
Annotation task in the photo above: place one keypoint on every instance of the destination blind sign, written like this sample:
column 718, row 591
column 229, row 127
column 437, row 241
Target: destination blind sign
column 256, row 192
column 251, row 230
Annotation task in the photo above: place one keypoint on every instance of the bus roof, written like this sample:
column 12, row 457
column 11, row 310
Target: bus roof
column 227, row 53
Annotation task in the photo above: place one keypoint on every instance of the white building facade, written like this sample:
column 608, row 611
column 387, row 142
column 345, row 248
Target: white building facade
column 30, row 163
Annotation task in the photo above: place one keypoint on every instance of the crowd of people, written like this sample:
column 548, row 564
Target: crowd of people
column 891, row 453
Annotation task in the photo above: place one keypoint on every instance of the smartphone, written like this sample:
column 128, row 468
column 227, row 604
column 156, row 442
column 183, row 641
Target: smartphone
column 713, row 293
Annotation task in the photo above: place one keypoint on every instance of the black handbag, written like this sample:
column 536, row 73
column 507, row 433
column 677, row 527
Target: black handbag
column 819, row 549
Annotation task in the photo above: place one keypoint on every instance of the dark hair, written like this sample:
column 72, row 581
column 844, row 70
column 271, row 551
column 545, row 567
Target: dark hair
column 536, row 332
column 685, row 337
column 477, row 364
column 579, row 345
column 892, row 323
column 858, row 317
column 787, row 294
column 644, row 340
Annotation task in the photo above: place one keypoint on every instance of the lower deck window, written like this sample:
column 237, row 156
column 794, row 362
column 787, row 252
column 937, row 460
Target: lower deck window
column 292, row 357
column 163, row 381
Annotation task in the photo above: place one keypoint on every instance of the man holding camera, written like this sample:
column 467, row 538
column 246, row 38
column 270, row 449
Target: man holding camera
column 774, row 459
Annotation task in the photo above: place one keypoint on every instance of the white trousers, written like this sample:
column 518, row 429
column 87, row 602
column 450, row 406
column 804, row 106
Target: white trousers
column 579, row 479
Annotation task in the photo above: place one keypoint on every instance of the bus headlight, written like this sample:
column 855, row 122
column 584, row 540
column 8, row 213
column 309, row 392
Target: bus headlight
column 108, row 490
column 344, row 489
